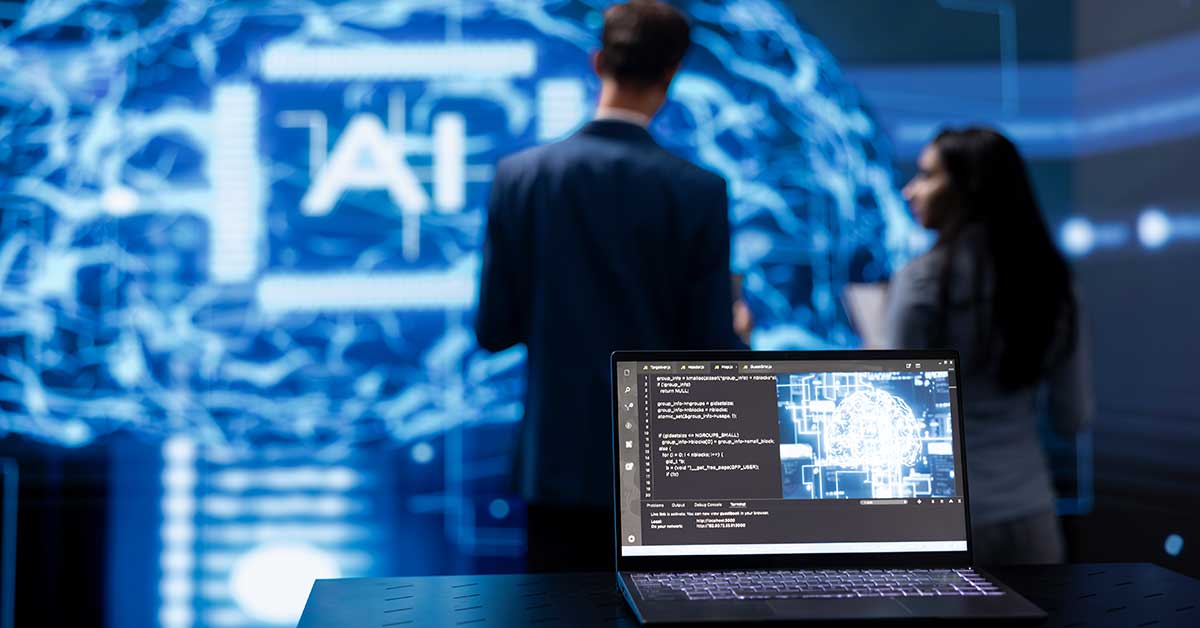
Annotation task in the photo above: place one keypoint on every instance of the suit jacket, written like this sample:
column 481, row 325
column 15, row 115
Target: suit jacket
column 600, row 242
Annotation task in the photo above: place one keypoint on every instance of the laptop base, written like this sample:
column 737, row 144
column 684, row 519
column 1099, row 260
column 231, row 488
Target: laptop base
column 1010, row 608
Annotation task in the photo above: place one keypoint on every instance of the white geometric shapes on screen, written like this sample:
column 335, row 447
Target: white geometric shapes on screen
column 318, row 134
column 365, row 157
column 368, row 156
column 480, row 60
column 235, row 216
column 177, row 559
column 449, row 161
column 796, row 451
column 417, row 291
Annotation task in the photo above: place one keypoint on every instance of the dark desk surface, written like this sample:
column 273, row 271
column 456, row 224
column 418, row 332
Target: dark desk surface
column 1131, row 594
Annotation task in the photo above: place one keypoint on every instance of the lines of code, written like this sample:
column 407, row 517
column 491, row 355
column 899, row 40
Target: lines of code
column 675, row 403
column 710, row 449
column 716, row 436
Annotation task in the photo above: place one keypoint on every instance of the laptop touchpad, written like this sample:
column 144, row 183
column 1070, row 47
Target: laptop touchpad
column 839, row 609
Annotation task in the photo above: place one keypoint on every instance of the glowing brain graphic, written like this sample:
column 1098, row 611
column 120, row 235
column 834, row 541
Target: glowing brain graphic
column 261, row 224
column 874, row 429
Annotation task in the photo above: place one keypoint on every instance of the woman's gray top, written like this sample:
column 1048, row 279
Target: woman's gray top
column 1006, row 463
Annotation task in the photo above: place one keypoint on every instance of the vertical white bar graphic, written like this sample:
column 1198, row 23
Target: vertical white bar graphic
column 178, row 559
column 235, row 218
column 396, row 118
column 449, row 162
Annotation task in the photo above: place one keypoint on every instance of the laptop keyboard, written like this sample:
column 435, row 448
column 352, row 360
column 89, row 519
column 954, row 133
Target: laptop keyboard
column 817, row 584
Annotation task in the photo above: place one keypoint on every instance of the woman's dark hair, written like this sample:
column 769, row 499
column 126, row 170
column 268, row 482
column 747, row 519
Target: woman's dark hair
column 1032, row 301
column 643, row 41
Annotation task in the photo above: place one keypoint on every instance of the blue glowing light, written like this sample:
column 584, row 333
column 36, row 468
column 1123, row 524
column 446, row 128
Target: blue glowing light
column 1080, row 237
column 422, row 453
column 1153, row 228
column 271, row 583
column 1173, row 545
column 1077, row 237
column 499, row 508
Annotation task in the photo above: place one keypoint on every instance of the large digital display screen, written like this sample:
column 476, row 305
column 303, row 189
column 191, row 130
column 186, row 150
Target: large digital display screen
column 256, row 224
column 250, row 232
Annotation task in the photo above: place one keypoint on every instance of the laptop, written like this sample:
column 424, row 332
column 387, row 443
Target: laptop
column 796, row 486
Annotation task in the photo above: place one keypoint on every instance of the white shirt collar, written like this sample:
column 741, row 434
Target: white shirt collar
column 623, row 115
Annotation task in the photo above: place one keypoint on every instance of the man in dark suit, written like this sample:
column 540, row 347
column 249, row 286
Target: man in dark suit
column 600, row 242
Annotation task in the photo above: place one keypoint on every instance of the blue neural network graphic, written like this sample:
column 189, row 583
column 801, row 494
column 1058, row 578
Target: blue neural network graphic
column 252, row 230
column 863, row 435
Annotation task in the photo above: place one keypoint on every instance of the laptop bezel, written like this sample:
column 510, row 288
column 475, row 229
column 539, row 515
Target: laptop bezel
column 790, row 561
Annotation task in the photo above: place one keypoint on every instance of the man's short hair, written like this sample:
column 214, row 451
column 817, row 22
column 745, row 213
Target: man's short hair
column 643, row 41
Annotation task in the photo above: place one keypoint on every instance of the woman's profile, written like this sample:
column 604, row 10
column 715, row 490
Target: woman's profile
column 995, row 287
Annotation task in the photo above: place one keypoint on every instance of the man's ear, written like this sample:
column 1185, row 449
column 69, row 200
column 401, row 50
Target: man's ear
column 670, row 76
column 598, row 63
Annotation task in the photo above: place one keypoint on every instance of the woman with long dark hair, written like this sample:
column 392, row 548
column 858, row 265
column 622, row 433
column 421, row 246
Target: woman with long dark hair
column 995, row 287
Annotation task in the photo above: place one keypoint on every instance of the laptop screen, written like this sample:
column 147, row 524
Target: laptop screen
column 830, row 456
